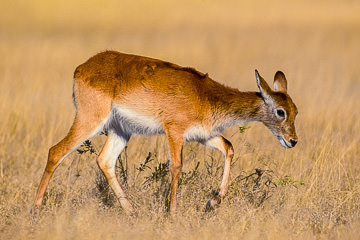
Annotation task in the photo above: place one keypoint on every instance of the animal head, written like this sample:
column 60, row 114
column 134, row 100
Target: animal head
column 279, row 110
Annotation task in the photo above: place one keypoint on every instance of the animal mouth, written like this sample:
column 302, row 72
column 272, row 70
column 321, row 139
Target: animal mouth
column 283, row 142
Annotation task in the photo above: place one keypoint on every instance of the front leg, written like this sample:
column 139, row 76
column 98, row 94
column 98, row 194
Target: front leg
column 224, row 146
column 175, row 148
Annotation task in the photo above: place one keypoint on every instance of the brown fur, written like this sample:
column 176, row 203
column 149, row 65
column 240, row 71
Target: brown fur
column 188, row 104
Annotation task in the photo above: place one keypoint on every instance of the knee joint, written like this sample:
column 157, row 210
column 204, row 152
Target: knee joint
column 230, row 152
column 175, row 169
column 229, row 149
column 102, row 163
column 53, row 159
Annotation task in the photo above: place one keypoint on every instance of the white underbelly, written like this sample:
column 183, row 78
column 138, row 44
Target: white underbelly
column 198, row 133
column 129, row 122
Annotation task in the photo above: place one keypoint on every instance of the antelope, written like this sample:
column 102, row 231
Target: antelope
column 134, row 95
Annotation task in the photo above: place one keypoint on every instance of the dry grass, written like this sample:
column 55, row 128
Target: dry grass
column 311, row 191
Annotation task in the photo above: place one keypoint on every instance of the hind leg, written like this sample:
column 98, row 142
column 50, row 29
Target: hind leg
column 114, row 145
column 81, row 130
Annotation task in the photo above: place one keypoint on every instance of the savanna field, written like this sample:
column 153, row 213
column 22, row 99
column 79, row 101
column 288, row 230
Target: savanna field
column 311, row 191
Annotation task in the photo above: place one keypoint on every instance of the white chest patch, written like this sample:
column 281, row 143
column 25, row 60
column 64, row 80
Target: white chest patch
column 129, row 122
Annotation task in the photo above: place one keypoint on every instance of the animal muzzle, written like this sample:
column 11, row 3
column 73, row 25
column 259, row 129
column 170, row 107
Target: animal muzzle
column 287, row 143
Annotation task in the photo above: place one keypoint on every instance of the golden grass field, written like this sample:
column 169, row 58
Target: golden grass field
column 309, row 192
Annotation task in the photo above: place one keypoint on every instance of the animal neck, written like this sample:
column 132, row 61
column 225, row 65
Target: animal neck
column 235, row 107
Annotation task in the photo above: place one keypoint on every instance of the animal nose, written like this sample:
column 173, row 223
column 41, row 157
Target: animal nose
column 293, row 142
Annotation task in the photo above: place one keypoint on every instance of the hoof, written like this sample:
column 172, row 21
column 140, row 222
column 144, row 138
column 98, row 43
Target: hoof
column 213, row 203
column 35, row 213
column 209, row 206
column 131, row 213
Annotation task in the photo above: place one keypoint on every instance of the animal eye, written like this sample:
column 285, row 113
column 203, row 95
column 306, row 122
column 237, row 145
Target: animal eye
column 280, row 113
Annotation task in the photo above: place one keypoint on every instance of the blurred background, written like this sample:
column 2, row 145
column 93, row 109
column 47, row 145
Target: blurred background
column 315, row 43
column 227, row 39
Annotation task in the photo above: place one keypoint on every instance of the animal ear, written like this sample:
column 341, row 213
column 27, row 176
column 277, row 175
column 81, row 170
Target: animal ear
column 280, row 82
column 264, row 88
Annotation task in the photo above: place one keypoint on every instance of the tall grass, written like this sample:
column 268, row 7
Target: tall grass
column 311, row 191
